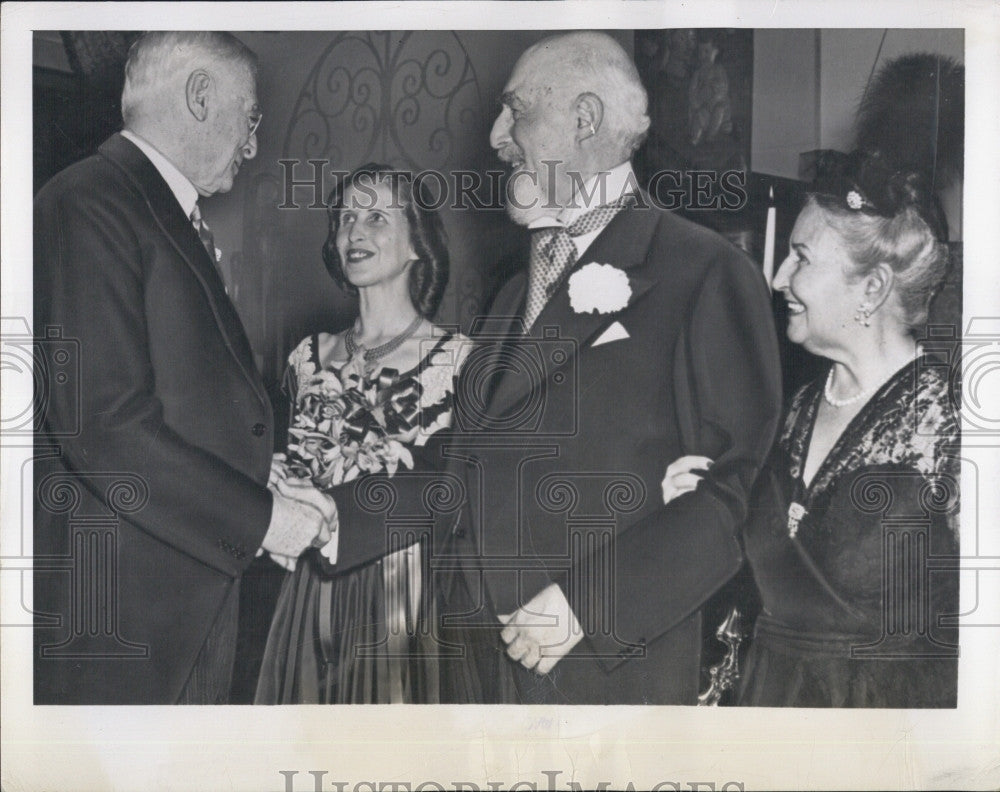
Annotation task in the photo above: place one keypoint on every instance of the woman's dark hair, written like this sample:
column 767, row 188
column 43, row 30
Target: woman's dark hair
column 429, row 273
column 889, row 216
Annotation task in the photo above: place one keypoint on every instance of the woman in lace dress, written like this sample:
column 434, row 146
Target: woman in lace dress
column 853, row 532
column 353, row 620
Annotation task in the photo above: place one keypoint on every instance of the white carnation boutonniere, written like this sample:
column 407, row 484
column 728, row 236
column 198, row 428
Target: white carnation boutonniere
column 599, row 287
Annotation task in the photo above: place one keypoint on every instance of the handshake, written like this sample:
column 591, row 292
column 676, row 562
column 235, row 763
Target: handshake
column 302, row 517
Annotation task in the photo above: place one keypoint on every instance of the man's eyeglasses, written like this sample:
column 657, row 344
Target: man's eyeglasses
column 254, row 119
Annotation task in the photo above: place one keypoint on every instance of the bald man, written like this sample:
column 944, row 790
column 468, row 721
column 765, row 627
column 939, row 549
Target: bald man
column 152, row 498
column 651, row 338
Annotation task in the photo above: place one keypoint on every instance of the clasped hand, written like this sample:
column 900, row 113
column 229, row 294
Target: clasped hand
column 683, row 475
column 302, row 517
column 542, row 632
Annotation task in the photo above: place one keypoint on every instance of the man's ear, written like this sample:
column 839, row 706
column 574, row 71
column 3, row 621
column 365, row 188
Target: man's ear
column 198, row 84
column 589, row 115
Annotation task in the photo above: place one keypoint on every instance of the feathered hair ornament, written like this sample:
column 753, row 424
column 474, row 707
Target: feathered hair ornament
column 914, row 108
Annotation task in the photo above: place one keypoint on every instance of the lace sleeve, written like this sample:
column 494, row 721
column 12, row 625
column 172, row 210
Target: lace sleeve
column 791, row 417
column 301, row 364
column 438, row 380
column 940, row 420
column 921, row 432
column 301, row 367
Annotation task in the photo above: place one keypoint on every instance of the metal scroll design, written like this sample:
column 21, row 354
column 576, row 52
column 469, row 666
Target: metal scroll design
column 724, row 675
column 402, row 98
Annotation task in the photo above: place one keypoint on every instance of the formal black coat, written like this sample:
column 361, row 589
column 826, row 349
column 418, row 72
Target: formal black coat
column 149, row 477
column 566, row 445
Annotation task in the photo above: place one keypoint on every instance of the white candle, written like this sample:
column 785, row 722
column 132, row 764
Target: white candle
column 769, row 240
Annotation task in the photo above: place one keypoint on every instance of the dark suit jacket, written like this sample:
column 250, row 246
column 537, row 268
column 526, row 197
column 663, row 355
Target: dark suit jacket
column 566, row 447
column 149, row 476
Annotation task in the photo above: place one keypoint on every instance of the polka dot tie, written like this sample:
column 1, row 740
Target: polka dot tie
column 553, row 252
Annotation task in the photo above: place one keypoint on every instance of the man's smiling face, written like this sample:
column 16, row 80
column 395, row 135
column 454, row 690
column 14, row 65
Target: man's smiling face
column 535, row 133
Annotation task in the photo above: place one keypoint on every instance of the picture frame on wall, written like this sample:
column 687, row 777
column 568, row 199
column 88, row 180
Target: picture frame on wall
column 700, row 83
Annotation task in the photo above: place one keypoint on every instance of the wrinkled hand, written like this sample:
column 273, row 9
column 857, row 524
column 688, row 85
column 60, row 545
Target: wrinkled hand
column 683, row 475
column 542, row 632
column 280, row 481
column 279, row 469
column 287, row 562
column 301, row 517
column 305, row 492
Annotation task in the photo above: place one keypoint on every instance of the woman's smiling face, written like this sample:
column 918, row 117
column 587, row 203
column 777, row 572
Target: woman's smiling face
column 822, row 298
column 373, row 237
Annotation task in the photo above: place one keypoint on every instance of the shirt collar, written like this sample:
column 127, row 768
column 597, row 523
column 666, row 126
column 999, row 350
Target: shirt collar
column 617, row 182
column 179, row 184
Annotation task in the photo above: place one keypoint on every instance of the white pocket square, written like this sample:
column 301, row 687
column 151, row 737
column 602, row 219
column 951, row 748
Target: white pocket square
column 615, row 332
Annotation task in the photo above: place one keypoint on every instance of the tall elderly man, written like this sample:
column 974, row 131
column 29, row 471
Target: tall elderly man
column 649, row 338
column 151, row 483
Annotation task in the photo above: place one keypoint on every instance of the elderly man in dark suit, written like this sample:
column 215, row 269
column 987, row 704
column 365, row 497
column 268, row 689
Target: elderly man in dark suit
column 170, row 441
column 631, row 338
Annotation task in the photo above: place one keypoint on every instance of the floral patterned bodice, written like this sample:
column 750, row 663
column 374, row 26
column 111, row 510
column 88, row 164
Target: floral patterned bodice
column 434, row 377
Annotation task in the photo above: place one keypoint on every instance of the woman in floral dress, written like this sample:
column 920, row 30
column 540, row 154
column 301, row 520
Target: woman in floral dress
column 354, row 619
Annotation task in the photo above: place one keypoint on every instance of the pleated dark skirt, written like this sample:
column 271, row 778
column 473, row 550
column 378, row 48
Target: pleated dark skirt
column 359, row 637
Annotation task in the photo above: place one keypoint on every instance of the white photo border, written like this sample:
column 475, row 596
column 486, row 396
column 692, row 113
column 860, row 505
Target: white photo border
column 256, row 748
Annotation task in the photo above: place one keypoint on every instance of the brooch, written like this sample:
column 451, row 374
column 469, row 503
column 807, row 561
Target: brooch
column 855, row 200
column 796, row 511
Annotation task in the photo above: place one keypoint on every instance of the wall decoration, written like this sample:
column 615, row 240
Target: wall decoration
column 396, row 97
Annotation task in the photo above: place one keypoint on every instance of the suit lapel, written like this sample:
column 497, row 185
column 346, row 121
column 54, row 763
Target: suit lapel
column 508, row 307
column 623, row 244
column 500, row 327
column 182, row 235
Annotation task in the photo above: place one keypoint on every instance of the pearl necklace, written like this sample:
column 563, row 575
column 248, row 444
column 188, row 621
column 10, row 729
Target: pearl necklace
column 838, row 403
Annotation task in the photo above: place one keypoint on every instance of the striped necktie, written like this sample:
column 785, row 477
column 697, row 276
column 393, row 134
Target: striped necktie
column 204, row 234
column 553, row 252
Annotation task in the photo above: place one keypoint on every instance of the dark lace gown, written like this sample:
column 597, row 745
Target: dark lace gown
column 859, row 587
column 359, row 631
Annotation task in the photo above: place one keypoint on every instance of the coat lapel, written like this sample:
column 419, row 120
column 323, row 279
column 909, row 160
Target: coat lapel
column 182, row 235
column 623, row 244
column 507, row 311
